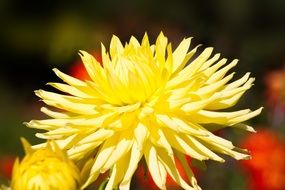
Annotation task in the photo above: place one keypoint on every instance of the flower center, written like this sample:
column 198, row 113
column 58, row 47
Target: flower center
column 133, row 77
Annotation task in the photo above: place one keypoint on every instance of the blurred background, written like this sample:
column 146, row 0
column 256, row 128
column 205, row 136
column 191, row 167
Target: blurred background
column 36, row 36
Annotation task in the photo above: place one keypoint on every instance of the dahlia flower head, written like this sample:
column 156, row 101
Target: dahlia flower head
column 145, row 102
column 47, row 168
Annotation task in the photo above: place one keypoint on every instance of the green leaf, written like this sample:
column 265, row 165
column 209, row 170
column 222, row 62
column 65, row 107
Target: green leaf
column 103, row 184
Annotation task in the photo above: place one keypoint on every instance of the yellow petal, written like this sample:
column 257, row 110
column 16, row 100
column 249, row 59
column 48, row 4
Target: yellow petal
column 123, row 146
column 169, row 164
column 72, row 90
column 56, row 115
column 68, row 79
column 141, row 134
column 154, row 166
column 118, row 172
column 202, row 149
column 245, row 117
column 92, row 66
column 179, row 55
column 160, row 48
column 100, row 135
column 188, row 170
column 101, row 157
column 221, row 73
column 178, row 143
column 210, row 62
column 196, row 64
column 136, row 155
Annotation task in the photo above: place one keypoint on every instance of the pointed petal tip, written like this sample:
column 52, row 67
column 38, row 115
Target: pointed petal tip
column 29, row 124
column 251, row 129
column 199, row 45
column 43, row 109
column 259, row 110
column 114, row 36
column 103, row 49
column 80, row 53
column 55, row 70
column 160, row 33
column 23, row 140
column 248, row 157
column 145, row 36
column 209, row 48
column 221, row 160
column 26, row 145
column 83, row 53
column 38, row 92
column 245, row 127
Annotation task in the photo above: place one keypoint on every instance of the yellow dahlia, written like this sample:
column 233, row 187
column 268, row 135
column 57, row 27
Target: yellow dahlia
column 47, row 168
column 145, row 102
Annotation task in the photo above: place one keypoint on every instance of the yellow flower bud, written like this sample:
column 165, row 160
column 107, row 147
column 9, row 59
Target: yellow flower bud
column 47, row 168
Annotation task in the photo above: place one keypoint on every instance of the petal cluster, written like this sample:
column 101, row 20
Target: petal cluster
column 146, row 102
column 47, row 168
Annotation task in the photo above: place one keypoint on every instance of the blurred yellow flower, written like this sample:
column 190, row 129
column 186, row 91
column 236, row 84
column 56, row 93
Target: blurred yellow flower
column 45, row 169
column 147, row 102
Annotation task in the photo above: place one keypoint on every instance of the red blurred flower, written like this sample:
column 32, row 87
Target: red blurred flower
column 78, row 70
column 266, row 169
column 6, row 166
column 275, row 96
column 275, row 87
